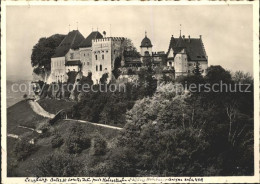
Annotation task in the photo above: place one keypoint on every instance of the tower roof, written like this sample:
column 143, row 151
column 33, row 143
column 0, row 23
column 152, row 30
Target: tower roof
column 146, row 42
column 71, row 41
column 88, row 41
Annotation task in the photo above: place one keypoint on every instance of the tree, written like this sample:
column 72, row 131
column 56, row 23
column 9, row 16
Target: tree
column 59, row 165
column 243, row 78
column 77, row 140
column 57, row 140
column 196, row 71
column 23, row 148
column 42, row 53
column 217, row 74
column 103, row 79
column 99, row 145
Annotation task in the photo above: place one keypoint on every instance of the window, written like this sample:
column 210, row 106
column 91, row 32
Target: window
column 84, row 54
column 96, row 57
column 96, row 67
column 87, row 63
column 170, row 63
column 100, row 67
column 71, row 55
column 103, row 56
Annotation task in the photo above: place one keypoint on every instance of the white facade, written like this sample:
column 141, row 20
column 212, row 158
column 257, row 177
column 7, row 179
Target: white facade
column 104, row 53
column 58, row 72
column 146, row 50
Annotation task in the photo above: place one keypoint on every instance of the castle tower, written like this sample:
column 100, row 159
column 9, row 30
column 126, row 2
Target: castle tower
column 146, row 46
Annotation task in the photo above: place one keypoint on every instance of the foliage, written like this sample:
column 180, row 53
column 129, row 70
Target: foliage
column 59, row 165
column 23, row 149
column 99, row 145
column 57, row 140
column 196, row 71
column 116, row 71
column 199, row 135
column 42, row 53
column 103, row 79
column 77, row 140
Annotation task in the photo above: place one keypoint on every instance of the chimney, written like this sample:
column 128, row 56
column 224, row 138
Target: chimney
column 189, row 38
column 104, row 33
column 200, row 36
column 183, row 36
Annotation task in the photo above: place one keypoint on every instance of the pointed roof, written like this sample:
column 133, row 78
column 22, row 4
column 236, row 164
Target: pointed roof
column 71, row 41
column 146, row 42
column 180, row 43
column 88, row 41
column 193, row 46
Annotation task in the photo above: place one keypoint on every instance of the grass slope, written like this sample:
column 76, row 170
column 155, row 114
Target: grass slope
column 22, row 113
column 53, row 105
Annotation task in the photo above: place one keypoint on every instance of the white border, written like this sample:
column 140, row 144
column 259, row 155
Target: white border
column 239, row 179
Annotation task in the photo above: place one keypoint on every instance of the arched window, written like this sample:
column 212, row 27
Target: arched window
column 100, row 67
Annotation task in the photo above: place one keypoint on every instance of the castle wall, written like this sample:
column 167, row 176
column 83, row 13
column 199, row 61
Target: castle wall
column 104, row 53
column 86, row 60
column 181, row 64
column 58, row 72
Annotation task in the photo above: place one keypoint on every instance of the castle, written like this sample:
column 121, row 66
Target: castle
column 99, row 54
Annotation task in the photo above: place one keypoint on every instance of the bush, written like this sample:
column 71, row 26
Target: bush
column 44, row 127
column 57, row 140
column 99, row 146
column 59, row 165
column 77, row 140
column 23, row 149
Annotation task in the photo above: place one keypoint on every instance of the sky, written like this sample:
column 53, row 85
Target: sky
column 227, row 30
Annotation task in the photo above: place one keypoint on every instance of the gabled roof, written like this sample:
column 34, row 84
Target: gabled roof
column 71, row 41
column 88, row 41
column 193, row 46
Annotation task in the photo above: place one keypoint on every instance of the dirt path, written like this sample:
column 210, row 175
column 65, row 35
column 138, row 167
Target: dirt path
column 39, row 110
column 96, row 124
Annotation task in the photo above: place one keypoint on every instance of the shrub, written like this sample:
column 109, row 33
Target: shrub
column 23, row 149
column 44, row 127
column 59, row 165
column 99, row 145
column 57, row 140
column 77, row 140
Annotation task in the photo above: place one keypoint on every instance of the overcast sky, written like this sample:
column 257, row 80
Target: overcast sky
column 226, row 29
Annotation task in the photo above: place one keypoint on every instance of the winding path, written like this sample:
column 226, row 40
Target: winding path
column 96, row 124
column 39, row 110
